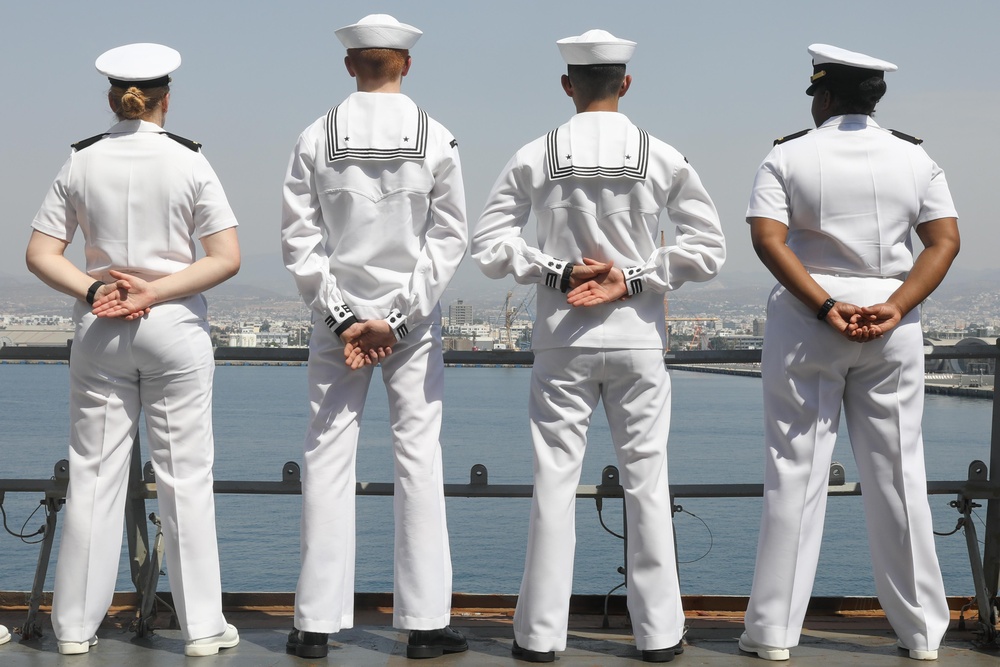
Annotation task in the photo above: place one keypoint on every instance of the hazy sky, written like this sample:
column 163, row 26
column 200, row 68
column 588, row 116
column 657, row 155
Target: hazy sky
column 718, row 80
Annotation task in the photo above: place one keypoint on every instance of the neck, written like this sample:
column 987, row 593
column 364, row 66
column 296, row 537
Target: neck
column 380, row 86
column 606, row 104
column 156, row 116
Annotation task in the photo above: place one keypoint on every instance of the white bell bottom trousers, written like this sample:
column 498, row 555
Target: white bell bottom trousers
column 566, row 384
column 414, row 378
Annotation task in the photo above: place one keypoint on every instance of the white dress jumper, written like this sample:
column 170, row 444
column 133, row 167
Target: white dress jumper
column 374, row 227
column 597, row 186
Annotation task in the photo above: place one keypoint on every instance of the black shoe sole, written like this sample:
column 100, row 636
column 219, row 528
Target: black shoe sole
column 527, row 655
column 663, row 654
column 307, row 650
column 426, row 651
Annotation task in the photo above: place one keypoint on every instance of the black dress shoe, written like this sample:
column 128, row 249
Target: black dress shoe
column 433, row 643
column 528, row 655
column 307, row 644
column 663, row 654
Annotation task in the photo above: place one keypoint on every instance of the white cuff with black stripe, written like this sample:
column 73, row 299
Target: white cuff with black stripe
column 397, row 322
column 340, row 318
column 633, row 279
column 554, row 278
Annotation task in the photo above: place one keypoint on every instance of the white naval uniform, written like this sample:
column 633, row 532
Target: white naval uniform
column 141, row 200
column 850, row 193
column 597, row 186
column 374, row 227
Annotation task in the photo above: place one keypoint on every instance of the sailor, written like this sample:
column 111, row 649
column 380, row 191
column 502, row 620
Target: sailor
column 830, row 216
column 373, row 229
column 597, row 186
column 141, row 197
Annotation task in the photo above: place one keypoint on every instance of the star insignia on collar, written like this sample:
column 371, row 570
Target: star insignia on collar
column 628, row 157
column 347, row 138
column 406, row 138
column 569, row 157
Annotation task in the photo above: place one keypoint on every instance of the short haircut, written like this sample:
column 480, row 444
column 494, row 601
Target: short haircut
column 596, row 82
column 378, row 63
column 857, row 97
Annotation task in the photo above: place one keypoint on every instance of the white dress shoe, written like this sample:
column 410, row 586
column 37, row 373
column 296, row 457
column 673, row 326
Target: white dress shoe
column 211, row 645
column 748, row 645
column 917, row 654
column 4, row 634
column 76, row 648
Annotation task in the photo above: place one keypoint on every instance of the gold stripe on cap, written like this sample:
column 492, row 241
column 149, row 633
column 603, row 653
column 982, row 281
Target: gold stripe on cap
column 818, row 75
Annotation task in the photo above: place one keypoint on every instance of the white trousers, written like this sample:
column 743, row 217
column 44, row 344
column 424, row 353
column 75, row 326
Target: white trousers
column 164, row 364
column 566, row 384
column 808, row 372
column 414, row 379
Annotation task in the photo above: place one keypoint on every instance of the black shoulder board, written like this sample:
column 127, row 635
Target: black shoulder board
column 187, row 143
column 906, row 137
column 789, row 137
column 80, row 145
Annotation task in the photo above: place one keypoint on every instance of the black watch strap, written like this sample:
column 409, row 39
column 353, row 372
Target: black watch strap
column 824, row 310
column 92, row 292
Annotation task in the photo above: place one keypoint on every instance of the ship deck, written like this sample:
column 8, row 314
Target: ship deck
column 858, row 635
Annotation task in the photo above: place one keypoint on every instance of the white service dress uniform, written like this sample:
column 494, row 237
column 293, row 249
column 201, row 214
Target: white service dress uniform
column 597, row 186
column 141, row 200
column 374, row 227
column 850, row 193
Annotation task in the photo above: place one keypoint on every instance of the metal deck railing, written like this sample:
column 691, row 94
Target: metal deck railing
column 982, row 483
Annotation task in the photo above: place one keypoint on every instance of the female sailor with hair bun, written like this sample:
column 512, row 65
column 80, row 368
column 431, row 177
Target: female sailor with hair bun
column 141, row 197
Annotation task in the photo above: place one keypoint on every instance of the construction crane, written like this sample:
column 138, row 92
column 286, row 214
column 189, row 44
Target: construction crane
column 510, row 314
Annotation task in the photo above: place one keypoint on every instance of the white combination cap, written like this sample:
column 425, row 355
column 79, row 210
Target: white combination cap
column 596, row 47
column 141, row 64
column 378, row 31
column 836, row 66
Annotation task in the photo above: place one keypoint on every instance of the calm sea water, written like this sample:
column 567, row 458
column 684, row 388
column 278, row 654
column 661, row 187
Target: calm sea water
column 716, row 436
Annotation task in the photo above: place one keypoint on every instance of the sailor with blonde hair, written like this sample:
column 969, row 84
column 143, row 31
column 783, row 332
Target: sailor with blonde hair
column 373, row 229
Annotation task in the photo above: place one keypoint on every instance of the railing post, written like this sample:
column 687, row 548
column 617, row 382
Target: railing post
column 135, row 520
column 991, row 552
column 32, row 629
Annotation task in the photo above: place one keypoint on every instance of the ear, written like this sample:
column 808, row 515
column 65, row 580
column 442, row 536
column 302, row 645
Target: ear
column 567, row 85
column 406, row 67
column 165, row 103
column 111, row 102
column 825, row 99
column 349, row 66
column 625, row 85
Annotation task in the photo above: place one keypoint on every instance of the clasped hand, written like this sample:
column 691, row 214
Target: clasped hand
column 128, row 297
column 367, row 342
column 593, row 283
column 863, row 324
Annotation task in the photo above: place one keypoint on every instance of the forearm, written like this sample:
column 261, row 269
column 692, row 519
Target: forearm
column 789, row 271
column 928, row 271
column 60, row 274
column 204, row 274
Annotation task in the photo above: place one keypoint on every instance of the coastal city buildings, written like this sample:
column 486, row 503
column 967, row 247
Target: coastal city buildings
column 730, row 319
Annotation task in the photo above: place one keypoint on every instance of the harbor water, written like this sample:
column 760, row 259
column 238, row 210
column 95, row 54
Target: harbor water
column 716, row 437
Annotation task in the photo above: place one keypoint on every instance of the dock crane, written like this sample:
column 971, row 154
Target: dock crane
column 510, row 314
